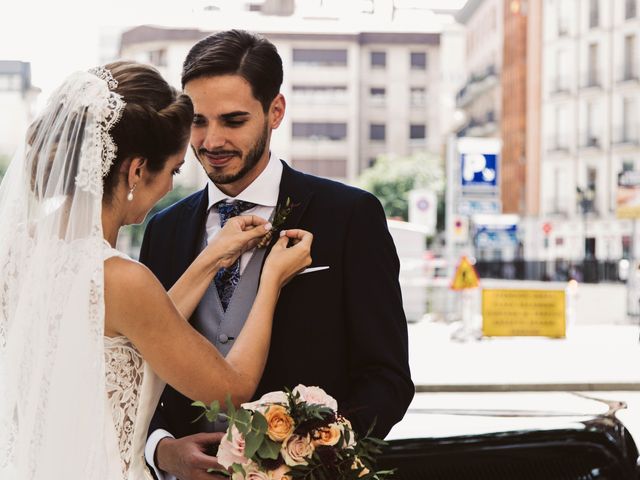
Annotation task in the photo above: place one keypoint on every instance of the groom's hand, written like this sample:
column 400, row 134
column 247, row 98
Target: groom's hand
column 186, row 458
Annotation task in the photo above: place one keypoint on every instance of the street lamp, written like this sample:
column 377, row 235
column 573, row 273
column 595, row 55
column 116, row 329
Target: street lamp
column 586, row 197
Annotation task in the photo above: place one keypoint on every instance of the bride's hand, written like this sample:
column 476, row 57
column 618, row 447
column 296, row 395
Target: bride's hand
column 238, row 235
column 290, row 254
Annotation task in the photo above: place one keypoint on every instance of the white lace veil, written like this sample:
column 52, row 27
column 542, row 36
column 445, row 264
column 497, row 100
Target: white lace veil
column 52, row 378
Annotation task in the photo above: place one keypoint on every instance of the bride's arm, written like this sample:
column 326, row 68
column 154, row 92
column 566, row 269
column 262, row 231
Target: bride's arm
column 138, row 307
column 240, row 234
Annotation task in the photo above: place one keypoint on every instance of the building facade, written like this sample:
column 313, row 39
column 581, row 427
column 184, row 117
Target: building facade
column 589, row 121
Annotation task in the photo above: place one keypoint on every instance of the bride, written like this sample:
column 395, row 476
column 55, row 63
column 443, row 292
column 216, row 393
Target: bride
column 88, row 336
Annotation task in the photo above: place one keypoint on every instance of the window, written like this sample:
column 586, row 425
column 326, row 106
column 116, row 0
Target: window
column 10, row 82
column 319, row 131
column 377, row 95
column 629, row 9
column 629, row 57
column 627, row 165
column 158, row 57
column 418, row 61
column 628, row 120
column 378, row 59
column 331, row 94
column 594, row 13
column 377, row 131
column 592, row 75
column 322, row 167
column 320, row 57
column 418, row 96
column 417, row 131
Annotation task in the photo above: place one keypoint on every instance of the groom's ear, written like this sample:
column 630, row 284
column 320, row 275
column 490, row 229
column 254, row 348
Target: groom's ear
column 276, row 111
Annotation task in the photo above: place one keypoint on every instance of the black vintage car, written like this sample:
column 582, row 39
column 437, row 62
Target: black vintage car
column 511, row 436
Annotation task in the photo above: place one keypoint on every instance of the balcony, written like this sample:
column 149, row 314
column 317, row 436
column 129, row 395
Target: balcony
column 591, row 79
column 481, row 126
column 557, row 207
column 628, row 72
column 560, row 85
column 627, row 135
column 590, row 140
column 558, row 143
column 477, row 84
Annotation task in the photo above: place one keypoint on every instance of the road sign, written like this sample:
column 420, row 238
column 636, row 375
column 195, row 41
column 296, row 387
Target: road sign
column 423, row 209
column 465, row 276
column 514, row 313
column 546, row 228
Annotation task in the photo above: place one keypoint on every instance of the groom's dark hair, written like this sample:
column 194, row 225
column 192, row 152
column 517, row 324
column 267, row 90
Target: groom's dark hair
column 237, row 52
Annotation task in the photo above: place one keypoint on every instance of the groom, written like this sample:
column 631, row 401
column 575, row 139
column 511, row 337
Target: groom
column 340, row 327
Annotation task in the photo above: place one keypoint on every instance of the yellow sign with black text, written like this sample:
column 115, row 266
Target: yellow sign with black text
column 515, row 313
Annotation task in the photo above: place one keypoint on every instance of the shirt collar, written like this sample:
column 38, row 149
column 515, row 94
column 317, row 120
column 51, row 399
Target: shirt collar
column 262, row 191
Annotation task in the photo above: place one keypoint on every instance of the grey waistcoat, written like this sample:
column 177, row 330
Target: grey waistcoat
column 222, row 328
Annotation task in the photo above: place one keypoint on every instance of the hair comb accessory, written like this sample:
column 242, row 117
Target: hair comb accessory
column 105, row 75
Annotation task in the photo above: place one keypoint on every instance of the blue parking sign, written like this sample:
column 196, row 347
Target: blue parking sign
column 479, row 170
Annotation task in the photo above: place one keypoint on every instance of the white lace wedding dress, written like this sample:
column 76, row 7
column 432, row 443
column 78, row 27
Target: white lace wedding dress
column 133, row 392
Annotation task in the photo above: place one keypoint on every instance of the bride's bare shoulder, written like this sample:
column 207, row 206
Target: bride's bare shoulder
column 126, row 276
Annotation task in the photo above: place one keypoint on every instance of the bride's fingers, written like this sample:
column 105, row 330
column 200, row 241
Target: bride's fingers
column 296, row 236
column 247, row 222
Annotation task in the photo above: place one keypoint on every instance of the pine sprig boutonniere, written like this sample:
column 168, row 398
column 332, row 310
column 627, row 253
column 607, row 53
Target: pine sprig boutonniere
column 280, row 216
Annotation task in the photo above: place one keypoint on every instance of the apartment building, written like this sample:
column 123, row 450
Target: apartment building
column 589, row 121
column 353, row 92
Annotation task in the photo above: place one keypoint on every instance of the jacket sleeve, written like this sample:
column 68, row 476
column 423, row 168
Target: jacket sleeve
column 378, row 363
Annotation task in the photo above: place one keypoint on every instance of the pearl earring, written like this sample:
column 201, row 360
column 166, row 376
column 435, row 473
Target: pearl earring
column 130, row 194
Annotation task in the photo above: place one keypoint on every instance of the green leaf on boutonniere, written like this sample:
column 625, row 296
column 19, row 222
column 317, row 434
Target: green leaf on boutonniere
column 252, row 443
column 279, row 217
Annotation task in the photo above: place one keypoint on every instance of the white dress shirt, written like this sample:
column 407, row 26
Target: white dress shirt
column 263, row 191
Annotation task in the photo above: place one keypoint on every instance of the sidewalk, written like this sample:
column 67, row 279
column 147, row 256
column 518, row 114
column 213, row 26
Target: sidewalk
column 592, row 357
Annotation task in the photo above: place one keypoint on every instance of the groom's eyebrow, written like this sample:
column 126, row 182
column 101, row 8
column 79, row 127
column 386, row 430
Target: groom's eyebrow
column 231, row 115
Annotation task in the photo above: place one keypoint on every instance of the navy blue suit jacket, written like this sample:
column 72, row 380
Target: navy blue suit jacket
column 342, row 329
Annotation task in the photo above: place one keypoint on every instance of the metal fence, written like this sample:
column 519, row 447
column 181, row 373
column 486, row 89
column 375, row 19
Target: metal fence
column 588, row 271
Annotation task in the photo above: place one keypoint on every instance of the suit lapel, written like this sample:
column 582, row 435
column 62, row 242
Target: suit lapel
column 189, row 231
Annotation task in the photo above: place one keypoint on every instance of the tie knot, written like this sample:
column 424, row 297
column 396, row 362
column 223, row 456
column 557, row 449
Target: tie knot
column 226, row 210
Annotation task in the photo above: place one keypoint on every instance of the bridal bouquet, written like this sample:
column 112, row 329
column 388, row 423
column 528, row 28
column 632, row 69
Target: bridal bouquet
column 293, row 435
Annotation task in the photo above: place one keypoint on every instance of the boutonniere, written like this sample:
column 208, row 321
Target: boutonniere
column 280, row 216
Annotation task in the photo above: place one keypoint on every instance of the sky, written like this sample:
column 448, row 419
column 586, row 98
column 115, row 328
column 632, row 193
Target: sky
column 59, row 37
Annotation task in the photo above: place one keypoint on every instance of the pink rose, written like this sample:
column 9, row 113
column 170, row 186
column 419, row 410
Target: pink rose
column 232, row 451
column 296, row 450
column 317, row 396
column 265, row 400
column 252, row 472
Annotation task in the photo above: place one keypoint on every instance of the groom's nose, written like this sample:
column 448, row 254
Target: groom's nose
column 213, row 138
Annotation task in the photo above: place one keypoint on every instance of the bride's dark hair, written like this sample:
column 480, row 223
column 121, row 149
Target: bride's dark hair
column 156, row 120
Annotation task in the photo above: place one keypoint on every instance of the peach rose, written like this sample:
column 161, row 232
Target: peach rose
column 317, row 396
column 279, row 423
column 328, row 435
column 296, row 449
column 232, row 451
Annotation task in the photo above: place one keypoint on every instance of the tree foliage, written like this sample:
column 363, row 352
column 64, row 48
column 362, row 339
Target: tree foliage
column 391, row 179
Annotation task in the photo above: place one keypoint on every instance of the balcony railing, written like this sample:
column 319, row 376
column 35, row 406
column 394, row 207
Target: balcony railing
column 474, row 85
column 557, row 144
column 590, row 140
